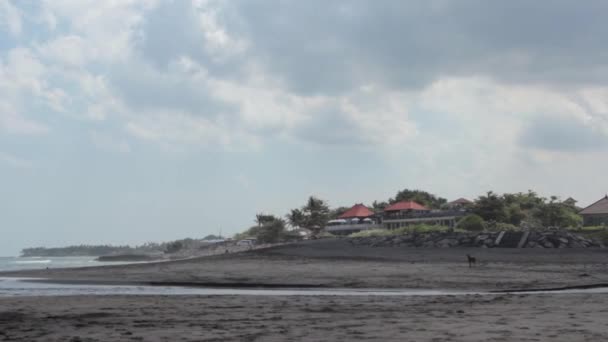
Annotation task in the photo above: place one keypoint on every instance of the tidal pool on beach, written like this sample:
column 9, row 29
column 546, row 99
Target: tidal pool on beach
column 19, row 287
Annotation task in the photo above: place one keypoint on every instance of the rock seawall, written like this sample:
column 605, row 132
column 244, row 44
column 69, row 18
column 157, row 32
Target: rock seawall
column 534, row 239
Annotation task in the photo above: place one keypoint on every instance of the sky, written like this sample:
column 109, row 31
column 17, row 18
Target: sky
column 127, row 121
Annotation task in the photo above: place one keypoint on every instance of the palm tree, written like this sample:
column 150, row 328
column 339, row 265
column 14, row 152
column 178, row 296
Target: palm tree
column 296, row 218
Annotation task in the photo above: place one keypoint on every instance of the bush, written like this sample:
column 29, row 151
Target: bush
column 416, row 228
column 472, row 223
column 174, row 247
column 372, row 232
column 325, row 235
column 424, row 228
column 600, row 234
column 500, row 226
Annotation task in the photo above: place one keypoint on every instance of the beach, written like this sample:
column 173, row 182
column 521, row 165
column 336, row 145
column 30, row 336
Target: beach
column 330, row 264
column 269, row 318
column 339, row 264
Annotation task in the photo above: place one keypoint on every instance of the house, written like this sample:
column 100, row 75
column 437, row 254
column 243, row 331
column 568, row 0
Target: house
column 358, row 211
column 596, row 214
column 355, row 219
column 403, row 214
column 461, row 203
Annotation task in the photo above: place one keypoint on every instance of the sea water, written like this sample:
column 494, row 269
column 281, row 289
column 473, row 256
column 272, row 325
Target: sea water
column 33, row 263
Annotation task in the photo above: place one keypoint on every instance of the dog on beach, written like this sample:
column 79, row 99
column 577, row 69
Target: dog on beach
column 472, row 261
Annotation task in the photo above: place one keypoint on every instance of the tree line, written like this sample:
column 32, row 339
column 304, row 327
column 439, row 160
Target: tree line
column 104, row 250
column 491, row 209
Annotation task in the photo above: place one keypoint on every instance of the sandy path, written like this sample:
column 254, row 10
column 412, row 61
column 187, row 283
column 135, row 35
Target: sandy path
column 574, row 317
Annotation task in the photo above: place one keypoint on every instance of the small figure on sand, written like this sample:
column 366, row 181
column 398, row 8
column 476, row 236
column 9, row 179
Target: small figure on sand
column 472, row 261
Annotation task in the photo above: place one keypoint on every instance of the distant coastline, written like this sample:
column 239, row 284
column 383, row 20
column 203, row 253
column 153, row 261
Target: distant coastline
column 147, row 249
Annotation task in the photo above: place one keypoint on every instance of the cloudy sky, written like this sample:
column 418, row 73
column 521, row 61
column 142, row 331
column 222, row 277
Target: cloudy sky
column 130, row 121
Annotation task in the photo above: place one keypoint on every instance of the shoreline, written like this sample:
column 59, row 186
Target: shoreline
column 338, row 264
column 292, row 289
column 325, row 313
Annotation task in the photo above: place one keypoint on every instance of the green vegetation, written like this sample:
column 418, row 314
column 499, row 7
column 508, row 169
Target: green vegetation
column 103, row 250
column 312, row 216
column 472, row 223
column 527, row 208
column 374, row 232
column 509, row 211
column 416, row 228
column 596, row 232
column 422, row 197
column 325, row 235
column 269, row 229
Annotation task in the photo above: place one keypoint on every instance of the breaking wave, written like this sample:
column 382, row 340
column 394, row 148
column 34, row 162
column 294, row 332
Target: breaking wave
column 45, row 261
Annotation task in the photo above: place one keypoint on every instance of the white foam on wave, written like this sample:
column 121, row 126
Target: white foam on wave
column 46, row 261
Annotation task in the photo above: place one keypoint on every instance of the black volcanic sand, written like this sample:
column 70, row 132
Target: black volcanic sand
column 332, row 263
column 575, row 317
column 337, row 263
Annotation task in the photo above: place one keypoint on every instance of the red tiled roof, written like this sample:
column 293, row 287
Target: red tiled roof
column 405, row 205
column 599, row 207
column 358, row 210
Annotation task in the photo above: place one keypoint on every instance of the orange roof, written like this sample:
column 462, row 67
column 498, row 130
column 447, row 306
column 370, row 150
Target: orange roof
column 405, row 205
column 358, row 210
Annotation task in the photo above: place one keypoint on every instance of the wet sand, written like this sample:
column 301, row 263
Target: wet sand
column 500, row 317
column 577, row 317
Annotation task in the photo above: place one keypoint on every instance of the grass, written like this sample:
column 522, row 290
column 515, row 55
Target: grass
column 418, row 228
column 596, row 232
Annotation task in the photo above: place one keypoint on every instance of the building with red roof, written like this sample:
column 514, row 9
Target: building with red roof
column 405, row 213
column 357, row 211
column 355, row 219
column 406, row 206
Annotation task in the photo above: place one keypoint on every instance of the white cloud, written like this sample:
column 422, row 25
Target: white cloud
column 10, row 18
column 19, row 83
column 70, row 50
column 216, row 86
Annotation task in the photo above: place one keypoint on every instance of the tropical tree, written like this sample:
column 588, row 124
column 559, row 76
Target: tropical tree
column 261, row 219
column 473, row 223
column 296, row 218
column 268, row 229
column 336, row 212
column 316, row 214
column 425, row 198
column 379, row 206
column 491, row 207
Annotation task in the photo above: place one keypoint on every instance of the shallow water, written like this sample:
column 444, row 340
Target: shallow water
column 15, row 287
column 33, row 263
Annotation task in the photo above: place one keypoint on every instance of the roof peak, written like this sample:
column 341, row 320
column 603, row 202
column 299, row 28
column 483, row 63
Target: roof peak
column 599, row 207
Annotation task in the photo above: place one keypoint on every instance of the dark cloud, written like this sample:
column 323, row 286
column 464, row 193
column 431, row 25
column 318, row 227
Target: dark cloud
column 331, row 127
column 562, row 134
column 144, row 88
column 324, row 47
column 174, row 29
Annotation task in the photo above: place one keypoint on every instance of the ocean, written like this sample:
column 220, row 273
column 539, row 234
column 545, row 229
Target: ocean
column 30, row 263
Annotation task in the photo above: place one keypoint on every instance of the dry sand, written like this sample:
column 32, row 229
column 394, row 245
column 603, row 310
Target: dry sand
column 262, row 318
column 500, row 317
column 336, row 263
